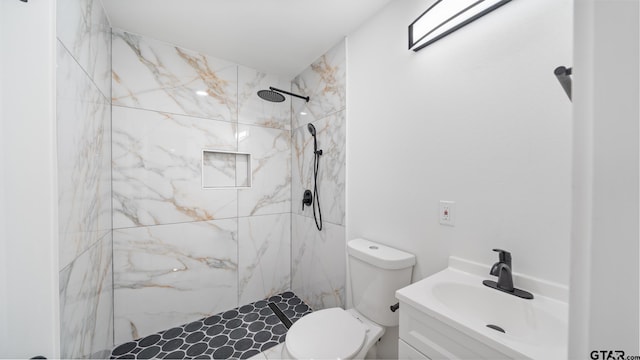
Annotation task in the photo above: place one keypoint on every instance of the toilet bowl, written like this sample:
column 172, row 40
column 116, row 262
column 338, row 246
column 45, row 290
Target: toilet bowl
column 331, row 334
column 376, row 272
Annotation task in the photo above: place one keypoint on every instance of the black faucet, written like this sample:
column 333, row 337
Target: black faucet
column 503, row 270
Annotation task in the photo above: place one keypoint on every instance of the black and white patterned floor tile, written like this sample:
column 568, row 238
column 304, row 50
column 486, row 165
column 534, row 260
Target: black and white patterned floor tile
column 239, row 333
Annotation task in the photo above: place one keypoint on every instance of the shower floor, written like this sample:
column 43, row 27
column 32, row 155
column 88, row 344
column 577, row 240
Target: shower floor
column 240, row 333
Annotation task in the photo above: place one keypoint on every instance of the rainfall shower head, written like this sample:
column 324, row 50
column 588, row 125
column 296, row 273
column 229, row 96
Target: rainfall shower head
column 271, row 95
column 275, row 95
column 312, row 129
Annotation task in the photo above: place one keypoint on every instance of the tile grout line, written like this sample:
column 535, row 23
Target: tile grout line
column 237, row 191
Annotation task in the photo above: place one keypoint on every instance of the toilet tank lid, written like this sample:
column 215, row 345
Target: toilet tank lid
column 379, row 255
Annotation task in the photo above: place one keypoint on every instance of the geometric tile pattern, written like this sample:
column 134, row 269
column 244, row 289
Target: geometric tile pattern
column 239, row 333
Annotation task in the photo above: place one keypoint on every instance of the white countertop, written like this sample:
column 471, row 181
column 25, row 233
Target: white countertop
column 535, row 329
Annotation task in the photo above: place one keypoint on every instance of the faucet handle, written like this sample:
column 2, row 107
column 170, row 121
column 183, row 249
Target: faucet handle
column 504, row 256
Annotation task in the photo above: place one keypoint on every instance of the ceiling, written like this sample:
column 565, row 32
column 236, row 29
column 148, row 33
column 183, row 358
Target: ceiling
column 275, row 36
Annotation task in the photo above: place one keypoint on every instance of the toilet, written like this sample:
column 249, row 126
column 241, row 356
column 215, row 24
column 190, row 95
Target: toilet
column 376, row 272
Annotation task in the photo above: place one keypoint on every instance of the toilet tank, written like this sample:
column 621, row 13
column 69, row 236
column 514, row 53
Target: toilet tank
column 376, row 272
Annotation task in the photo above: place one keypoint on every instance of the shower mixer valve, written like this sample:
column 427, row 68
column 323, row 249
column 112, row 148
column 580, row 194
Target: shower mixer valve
column 307, row 198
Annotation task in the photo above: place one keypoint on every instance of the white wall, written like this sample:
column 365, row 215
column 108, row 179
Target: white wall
column 604, row 265
column 477, row 118
column 28, row 242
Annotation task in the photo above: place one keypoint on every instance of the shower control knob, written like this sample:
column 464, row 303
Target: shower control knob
column 307, row 198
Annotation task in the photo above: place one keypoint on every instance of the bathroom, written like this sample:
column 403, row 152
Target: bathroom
column 106, row 223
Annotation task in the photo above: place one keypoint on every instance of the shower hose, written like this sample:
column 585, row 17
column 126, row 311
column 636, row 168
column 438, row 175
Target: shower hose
column 316, row 199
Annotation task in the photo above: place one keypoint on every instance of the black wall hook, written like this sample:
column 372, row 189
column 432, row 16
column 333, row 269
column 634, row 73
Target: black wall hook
column 564, row 77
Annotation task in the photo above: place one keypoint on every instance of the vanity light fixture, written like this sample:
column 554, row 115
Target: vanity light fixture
column 446, row 16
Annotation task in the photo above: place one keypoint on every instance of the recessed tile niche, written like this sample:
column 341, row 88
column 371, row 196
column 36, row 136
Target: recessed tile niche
column 225, row 169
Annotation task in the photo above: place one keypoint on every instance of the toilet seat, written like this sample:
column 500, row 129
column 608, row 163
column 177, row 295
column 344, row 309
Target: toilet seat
column 326, row 334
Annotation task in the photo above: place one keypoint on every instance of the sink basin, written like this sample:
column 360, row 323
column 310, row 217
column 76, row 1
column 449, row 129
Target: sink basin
column 519, row 318
column 535, row 329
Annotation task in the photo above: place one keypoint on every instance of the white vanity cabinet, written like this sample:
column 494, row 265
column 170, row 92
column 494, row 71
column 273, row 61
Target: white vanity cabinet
column 452, row 315
column 406, row 351
column 425, row 337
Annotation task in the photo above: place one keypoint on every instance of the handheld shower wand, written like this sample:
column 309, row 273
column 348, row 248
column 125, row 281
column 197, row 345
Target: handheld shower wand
column 312, row 130
column 316, row 164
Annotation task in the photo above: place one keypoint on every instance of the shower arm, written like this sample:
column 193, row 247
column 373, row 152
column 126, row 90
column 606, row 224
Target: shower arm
column 288, row 93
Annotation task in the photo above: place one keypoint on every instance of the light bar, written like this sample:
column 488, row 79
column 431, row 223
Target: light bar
column 446, row 16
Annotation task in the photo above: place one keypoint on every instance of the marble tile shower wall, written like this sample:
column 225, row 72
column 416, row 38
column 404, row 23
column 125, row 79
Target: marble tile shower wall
column 182, row 252
column 84, row 178
column 318, row 258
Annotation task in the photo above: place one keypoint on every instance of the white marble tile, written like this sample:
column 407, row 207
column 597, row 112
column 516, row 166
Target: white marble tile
column 84, row 29
column 86, row 303
column 219, row 169
column 157, row 164
column 154, row 75
column 255, row 111
column 318, row 263
column 264, row 263
column 324, row 82
column 243, row 170
column 331, row 135
column 274, row 353
column 84, row 159
column 270, row 151
column 258, row 356
column 168, row 275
